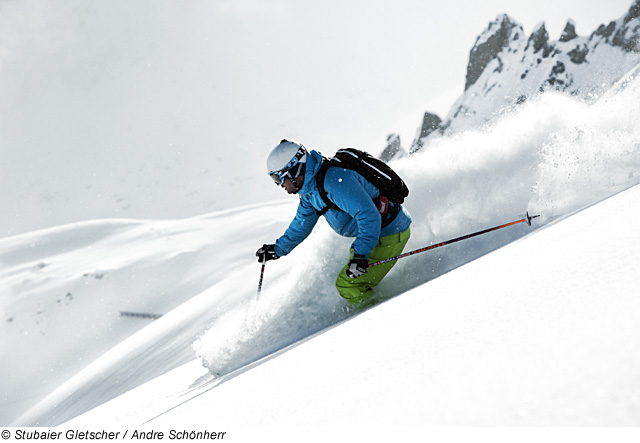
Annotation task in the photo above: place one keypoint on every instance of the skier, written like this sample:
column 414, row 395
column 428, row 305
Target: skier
column 377, row 235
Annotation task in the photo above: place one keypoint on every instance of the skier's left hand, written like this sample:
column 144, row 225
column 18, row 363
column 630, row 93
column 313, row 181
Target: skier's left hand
column 266, row 253
column 357, row 266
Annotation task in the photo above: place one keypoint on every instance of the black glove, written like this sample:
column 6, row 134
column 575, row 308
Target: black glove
column 266, row 253
column 357, row 266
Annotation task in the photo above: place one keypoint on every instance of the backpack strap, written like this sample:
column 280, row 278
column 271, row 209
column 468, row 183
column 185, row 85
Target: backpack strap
column 326, row 164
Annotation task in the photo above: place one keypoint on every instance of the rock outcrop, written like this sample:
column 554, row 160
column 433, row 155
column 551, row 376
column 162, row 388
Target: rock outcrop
column 394, row 148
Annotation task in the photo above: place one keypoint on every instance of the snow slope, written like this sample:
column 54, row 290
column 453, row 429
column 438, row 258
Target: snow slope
column 542, row 332
column 63, row 290
column 68, row 350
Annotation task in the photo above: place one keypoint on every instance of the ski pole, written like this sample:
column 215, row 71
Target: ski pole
column 261, row 277
column 448, row 242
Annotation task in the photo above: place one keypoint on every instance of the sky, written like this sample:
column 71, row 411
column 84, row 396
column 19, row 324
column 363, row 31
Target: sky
column 164, row 109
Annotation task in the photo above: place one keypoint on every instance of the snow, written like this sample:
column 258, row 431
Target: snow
column 529, row 335
column 525, row 326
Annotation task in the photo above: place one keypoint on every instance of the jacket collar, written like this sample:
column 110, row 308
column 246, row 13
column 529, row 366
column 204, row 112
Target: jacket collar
column 314, row 161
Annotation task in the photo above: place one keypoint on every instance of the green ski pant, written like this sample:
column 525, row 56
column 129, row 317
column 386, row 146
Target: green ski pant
column 356, row 290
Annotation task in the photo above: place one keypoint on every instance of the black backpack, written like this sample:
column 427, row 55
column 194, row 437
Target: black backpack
column 375, row 171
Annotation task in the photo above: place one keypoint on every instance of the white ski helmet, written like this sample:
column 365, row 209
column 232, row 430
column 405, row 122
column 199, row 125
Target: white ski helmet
column 287, row 160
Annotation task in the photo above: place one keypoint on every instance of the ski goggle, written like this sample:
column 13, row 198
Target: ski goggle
column 278, row 177
column 292, row 174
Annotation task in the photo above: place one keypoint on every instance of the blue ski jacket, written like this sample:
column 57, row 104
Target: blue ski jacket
column 359, row 216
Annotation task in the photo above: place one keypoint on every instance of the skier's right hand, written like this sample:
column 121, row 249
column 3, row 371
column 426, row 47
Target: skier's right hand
column 357, row 266
column 266, row 253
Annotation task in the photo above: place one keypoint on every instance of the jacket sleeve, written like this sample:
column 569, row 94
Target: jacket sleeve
column 350, row 195
column 299, row 229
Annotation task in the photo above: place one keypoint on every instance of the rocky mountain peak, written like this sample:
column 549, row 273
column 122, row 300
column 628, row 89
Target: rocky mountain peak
column 539, row 39
column 394, row 148
column 498, row 36
column 634, row 12
column 569, row 32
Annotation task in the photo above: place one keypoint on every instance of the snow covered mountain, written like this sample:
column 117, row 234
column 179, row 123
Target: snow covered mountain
column 507, row 68
column 66, row 348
